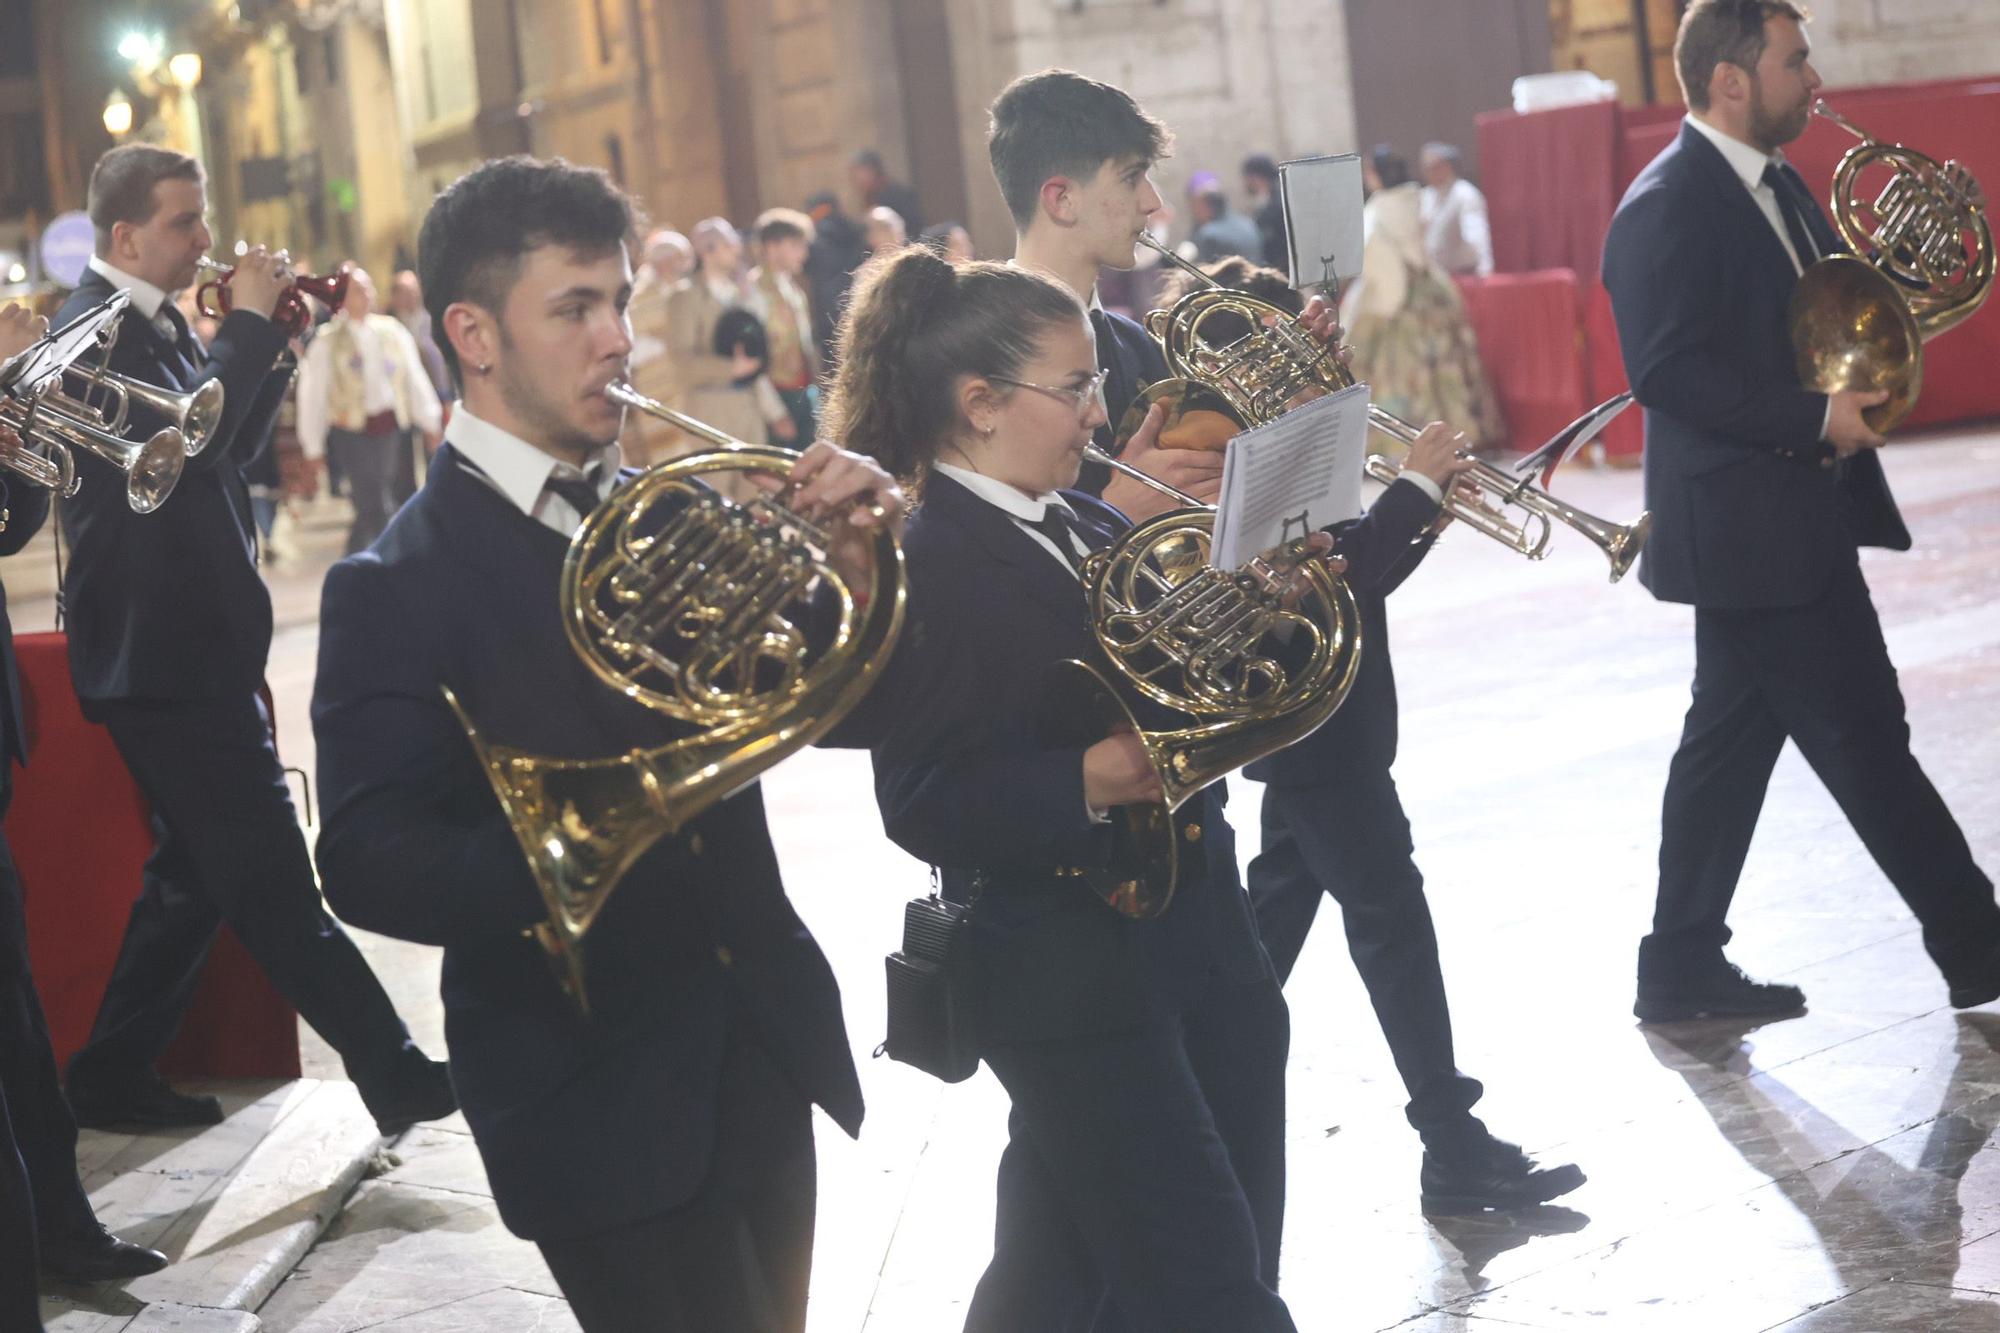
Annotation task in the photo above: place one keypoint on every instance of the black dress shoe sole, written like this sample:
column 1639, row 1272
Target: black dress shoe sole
column 1536, row 1188
column 90, row 1114
column 1971, row 997
column 120, row 1267
column 1687, row 1010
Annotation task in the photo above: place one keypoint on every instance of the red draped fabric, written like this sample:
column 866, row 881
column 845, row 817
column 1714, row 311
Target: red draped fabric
column 1530, row 338
column 80, row 832
column 1552, row 182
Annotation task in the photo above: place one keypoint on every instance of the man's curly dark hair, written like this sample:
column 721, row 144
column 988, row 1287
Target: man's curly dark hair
column 483, row 224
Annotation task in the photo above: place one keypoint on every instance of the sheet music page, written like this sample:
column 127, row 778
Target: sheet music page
column 1291, row 477
column 1321, row 197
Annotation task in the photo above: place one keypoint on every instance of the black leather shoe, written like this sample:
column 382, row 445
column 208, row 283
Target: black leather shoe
column 1973, row 982
column 1972, row 993
column 151, row 1104
column 1715, row 992
column 95, row 1255
column 420, row 1091
column 1499, row 1178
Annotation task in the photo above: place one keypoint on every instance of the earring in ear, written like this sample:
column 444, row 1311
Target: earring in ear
column 485, row 368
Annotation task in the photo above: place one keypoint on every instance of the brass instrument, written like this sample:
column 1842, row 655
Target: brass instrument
column 684, row 601
column 35, row 408
column 1923, row 263
column 292, row 314
column 1247, row 662
column 1258, row 375
column 196, row 414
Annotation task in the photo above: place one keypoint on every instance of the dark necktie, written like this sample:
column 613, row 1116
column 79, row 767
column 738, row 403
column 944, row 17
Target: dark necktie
column 580, row 492
column 1788, row 209
column 179, row 336
column 1055, row 525
column 1119, row 389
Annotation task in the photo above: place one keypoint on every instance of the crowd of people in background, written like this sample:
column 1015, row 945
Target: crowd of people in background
column 735, row 326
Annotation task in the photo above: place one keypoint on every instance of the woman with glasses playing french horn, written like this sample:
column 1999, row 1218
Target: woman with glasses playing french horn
column 1145, row 1057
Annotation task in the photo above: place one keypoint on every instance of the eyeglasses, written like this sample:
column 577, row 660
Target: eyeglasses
column 1085, row 396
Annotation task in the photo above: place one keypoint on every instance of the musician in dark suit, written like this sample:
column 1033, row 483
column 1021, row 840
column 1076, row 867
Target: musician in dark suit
column 169, row 627
column 1761, row 491
column 659, row 1150
column 1143, row 1183
column 1333, row 825
column 45, row 1216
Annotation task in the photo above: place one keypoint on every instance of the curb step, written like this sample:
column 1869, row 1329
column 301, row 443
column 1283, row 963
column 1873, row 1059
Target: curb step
column 236, row 1206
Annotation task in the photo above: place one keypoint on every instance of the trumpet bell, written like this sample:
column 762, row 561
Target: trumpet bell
column 154, row 470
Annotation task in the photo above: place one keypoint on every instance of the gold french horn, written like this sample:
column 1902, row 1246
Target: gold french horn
column 688, row 603
column 1923, row 263
column 1250, row 378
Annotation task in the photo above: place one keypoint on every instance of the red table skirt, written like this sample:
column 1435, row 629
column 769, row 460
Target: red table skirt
column 80, row 831
column 1531, row 340
column 1551, row 178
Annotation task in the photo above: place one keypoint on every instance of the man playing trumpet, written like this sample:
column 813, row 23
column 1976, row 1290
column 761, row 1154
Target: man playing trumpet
column 169, row 627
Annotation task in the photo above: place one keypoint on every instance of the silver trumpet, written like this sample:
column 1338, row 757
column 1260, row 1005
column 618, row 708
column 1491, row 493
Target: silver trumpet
column 1486, row 513
column 109, row 396
column 34, row 407
column 151, row 468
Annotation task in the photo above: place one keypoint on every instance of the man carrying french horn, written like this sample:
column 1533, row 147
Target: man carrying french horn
column 1761, row 490
column 650, row 1130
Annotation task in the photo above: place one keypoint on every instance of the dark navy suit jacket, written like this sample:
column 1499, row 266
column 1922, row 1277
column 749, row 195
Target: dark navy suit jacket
column 967, row 782
column 27, row 509
column 1748, row 509
column 584, row 1124
column 1135, row 360
column 169, row 605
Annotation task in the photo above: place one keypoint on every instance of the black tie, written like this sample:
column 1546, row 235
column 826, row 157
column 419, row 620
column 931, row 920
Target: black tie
column 1055, row 525
column 581, row 492
column 1788, row 209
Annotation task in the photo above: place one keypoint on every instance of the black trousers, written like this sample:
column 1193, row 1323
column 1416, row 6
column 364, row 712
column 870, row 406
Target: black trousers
column 39, row 1189
column 20, row 1278
column 1143, row 1185
column 43, row 1129
column 370, row 464
column 736, row 1257
column 227, row 848
column 1819, row 674
column 1351, row 840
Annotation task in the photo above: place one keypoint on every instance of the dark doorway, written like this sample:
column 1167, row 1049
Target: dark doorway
column 1424, row 68
column 930, row 109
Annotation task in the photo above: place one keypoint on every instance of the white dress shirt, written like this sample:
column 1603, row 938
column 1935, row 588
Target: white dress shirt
column 521, row 472
column 1748, row 162
column 1456, row 229
column 146, row 298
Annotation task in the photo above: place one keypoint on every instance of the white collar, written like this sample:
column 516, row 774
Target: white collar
column 1007, row 499
column 1746, row 160
column 517, row 469
column 146, row 298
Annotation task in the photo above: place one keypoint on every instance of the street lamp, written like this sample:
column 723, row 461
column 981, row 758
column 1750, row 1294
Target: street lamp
column 140, row 49
column 185, row 69
column 118, row 114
